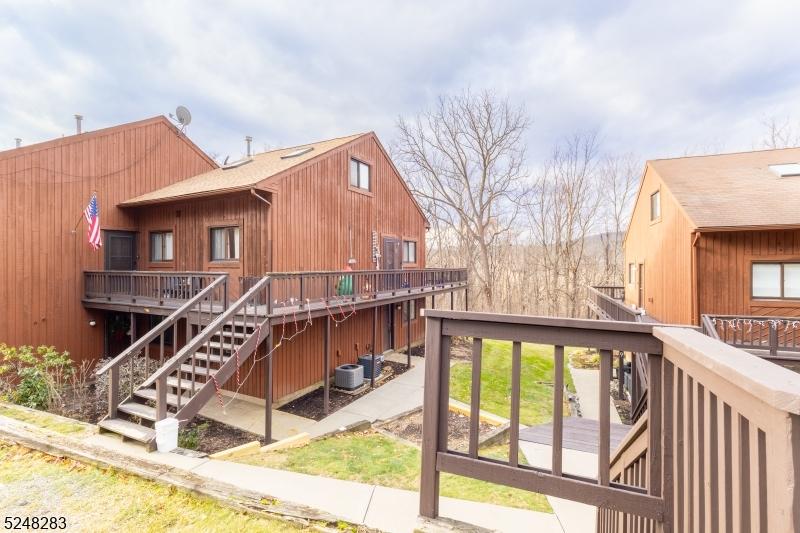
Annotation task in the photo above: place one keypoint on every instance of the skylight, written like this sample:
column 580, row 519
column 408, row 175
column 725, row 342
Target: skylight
column 298, row 152
column 786, row 170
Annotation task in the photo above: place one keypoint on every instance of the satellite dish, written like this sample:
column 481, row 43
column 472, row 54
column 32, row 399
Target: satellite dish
column 183, row 116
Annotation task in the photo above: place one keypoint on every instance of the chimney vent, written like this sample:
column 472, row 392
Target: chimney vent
column 248, row 140
column 78, row 119
column 19, row 142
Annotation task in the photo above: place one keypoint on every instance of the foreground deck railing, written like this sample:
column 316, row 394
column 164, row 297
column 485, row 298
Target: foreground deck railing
column 606, row 336
column 154, row 287
column 769, row 333
column 304, row 288
column 718, row 449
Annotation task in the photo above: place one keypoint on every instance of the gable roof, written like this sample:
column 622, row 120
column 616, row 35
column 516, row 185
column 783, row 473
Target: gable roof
column 81, row 137
column 242, row 177
column 736, row 190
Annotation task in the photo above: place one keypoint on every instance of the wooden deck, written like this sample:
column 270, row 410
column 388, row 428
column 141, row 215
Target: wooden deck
column 580, row 434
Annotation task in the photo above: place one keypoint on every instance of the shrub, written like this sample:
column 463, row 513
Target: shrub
column 189, row 438
column 33, row 377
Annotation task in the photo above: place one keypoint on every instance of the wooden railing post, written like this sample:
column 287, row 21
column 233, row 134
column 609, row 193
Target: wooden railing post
column 431, row 424
column 654, row 424
column 161, row 398
column 773, row 340
column 113, row 391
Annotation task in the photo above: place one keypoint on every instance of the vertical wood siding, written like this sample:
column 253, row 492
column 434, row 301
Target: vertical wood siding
column 43, row 191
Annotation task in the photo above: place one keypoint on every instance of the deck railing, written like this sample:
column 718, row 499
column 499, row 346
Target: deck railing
column 767, row 333
column 730, row 441
column 304, row 288
column 606, row 336
column 199, row 309
column 718, row 449
column 145, row 286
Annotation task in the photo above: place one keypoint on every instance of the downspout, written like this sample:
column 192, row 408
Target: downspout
column 695, row 302
column 269, row 224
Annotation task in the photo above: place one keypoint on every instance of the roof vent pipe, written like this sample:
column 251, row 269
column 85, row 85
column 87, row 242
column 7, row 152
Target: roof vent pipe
column 19, row 142
column 248, row 140
column 78, row 119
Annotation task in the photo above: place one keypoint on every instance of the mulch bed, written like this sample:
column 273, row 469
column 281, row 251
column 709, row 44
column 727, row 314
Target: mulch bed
column 622, row 404
column 310, row 405
column 213, row 436
column 409, row 427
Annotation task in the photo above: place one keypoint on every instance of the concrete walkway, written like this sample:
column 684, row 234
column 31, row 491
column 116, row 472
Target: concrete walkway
column 403, row 393
column 383, row 508
column 587, row 387
column 248, row 414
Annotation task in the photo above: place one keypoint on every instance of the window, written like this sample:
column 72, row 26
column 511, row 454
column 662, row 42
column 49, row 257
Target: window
column 631, row 272
column 161, row 246
column 409, row 252
column 655, row 206
column 225, row 244
column 776, row 280
column 412, row 304
column 359, row 174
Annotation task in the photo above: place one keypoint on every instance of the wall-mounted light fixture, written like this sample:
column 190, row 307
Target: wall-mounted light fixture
column 92, row 323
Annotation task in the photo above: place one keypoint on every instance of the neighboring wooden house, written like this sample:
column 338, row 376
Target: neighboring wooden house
column 716, row 235
column 306, row 256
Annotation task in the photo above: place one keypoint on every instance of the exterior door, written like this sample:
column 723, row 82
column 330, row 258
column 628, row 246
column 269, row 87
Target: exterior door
column 392, row 260
column 640, row 284
column 120, row 250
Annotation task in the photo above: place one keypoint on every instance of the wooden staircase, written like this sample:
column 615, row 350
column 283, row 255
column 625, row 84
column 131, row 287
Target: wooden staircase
column 220, row 342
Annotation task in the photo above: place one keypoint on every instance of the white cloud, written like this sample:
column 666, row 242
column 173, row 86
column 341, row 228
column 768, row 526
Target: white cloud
column 655, row 78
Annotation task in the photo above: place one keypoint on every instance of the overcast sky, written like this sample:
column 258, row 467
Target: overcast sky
column 654, row 78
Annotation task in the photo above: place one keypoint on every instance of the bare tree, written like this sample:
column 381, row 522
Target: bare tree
column 619, row 182
column 780, row 133
column 464, row 160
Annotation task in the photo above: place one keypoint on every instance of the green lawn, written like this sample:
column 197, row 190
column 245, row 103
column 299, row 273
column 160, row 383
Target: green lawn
column 94, row 499
column 43, row 419
column 536, row 401
column 376, row 459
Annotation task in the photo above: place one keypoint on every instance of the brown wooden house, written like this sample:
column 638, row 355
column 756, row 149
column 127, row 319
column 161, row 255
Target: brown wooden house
column 294, row 260
column 716, row 235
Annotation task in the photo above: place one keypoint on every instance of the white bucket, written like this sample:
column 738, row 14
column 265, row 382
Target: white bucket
column 167, row 434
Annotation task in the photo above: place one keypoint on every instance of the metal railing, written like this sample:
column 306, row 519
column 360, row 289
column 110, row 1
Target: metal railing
column 767, row 333
column 199, row 309
column 155, row 287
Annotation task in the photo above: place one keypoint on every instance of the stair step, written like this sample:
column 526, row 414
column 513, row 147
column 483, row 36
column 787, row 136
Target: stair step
column 128, row 429
column 211, row 358
column 221, row 346
column 186, row 384
column 235, row 334
column 172, row 399
column 138, row 409
column 198, row 370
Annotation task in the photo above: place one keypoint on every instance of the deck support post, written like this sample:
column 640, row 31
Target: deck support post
column 408, row 333
column 374, row 348
column 433, row 301
column 452, row 300
column 621, row 375
column 326, row 371
column 268, row 388
column 466, row 298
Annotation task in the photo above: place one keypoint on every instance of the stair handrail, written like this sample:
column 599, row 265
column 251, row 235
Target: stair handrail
column 162, row 326
column 197, row 341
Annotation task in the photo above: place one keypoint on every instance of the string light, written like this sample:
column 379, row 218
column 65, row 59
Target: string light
column 739, row 323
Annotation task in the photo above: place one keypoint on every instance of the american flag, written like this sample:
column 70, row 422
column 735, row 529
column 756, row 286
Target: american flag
column 92, row 214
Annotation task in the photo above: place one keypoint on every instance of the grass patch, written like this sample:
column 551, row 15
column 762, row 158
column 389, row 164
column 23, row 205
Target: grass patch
column 43, row 420
column 536, row 401
column 377, row 459
column 94, row 499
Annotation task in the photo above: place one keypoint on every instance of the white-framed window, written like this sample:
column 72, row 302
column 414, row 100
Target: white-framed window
column 631, row 272
column 359, row 174
column 225, row 245
column 775, row 280
column 409, row 251
column 161, row 246
column 655, row 206
column 412, row 306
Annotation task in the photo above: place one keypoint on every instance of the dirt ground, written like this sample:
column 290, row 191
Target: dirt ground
column 310, row 405
column 409, row 427
column 623, row 405
column 210, row 436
